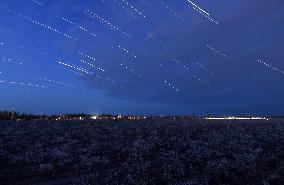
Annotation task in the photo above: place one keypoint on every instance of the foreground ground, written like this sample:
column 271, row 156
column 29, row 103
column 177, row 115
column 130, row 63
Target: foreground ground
column 141, row 153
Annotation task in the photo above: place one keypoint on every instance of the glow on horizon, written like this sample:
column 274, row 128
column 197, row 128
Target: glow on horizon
column 236, row 118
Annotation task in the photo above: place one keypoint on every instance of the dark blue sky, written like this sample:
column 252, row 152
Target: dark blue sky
column 142, row 57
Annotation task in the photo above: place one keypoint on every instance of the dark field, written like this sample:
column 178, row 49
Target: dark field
column 141, row 153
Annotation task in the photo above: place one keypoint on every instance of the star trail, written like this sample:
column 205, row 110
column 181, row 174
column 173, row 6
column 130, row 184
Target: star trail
column 117, row 56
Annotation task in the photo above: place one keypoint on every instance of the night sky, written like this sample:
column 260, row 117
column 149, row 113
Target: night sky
column 142, row 56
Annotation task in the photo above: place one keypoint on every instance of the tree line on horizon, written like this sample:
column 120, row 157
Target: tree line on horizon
column 10, row 115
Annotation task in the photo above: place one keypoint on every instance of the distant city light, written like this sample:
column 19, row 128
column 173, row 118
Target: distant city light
column 94, row 117
column 236, row 118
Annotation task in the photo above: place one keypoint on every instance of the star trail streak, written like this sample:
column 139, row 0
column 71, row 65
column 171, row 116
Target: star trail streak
column 125, row 9
column 89, row 57
column 22, row 84
column 66, row 69
column 130, row 70
column 9, row 60
column 59, row 83
column 204, row 83
column 198, row 7
column 217, row 51
column 171, row 85
column 128, row 52
column 106, row 23
column 133, row 8
column 155, row 56
column 173, row 12
column 78, row 26
column 202, row 12
column 37, row 3
column 37, row 23
column 157, row 41
column 206, row 69
column 271, row 67
column 93, row 66
column 79, row 70
column 75, row 67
